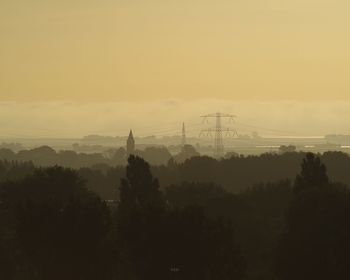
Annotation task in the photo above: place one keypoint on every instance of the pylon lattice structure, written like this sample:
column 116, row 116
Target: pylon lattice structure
column 183, row 141
column 219, row 130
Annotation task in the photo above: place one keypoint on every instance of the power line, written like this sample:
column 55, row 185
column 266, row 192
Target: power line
column 219, row 130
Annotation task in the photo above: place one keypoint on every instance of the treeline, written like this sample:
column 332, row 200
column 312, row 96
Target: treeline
column 53, row 227
column 45, row 156
column 234, row 174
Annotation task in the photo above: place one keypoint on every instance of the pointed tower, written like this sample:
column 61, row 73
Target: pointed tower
column 130, row 144
column 183, row 142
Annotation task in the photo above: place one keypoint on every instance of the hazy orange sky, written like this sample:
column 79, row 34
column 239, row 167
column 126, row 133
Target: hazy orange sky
column 133, row 50
column 104, row 66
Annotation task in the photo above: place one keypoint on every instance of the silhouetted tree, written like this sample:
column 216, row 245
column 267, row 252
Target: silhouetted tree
column 197, row 247
column 287, row 149
column 257, row 215
column 316, row 243
column 8, row 245
column 260, row 224
column 316, row 240
column 313, row 174
column 234, row 174
column 138, row 222
column 139, row 188
column 41, row 156
column 187, row 152
column 7, row 154
column 57, row 226
column 159, row 242
column 229, row 155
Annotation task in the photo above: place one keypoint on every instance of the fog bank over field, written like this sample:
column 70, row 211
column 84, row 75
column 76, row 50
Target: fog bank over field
column 161, row 118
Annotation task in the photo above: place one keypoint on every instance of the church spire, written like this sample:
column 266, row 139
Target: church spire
column 130, row 144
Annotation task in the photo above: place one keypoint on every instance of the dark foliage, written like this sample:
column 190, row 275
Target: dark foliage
column 158, row 242
column 234, row 174
column 316, row 244
column 257, row 215
column 316, row 241
column 52, row 227
column 313, row 174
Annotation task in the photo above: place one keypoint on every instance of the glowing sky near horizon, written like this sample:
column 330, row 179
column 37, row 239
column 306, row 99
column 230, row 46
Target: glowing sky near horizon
column 99, row 55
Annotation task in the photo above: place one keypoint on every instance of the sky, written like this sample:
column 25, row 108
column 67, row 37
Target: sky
column 137, row 55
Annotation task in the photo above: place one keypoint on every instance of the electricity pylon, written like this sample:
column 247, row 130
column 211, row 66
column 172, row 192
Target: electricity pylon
column 219, row 130
column 183, row 142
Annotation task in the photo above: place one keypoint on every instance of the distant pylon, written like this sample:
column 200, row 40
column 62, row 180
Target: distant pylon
column 218, row 142
column 219, row 148
column 183, row 142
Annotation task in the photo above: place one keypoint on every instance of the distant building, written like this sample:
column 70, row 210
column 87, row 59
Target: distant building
column 130, row 144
